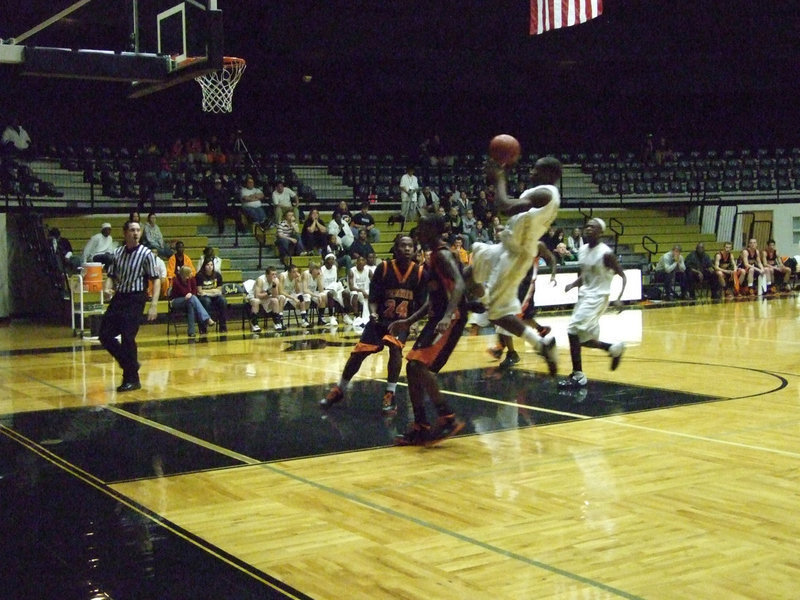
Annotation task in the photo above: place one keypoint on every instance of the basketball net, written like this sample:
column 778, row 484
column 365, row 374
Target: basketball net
column 218, row 86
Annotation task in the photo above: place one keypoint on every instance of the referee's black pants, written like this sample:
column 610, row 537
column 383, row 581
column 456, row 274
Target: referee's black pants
column 123, row 316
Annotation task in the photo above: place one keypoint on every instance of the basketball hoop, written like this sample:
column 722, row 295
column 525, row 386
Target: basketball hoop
column 218, row 86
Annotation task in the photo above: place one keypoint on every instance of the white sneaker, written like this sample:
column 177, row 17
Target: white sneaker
column 615, row 352
column 548, row 350
column 255, row 328
column 304, row 322
column 348, row 320
column 332, row 322
column 278, row 326
column 575, row 381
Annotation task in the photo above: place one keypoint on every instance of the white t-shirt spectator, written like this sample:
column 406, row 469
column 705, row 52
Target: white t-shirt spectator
column 246, row 195
column 18, row 136
column 284, row 198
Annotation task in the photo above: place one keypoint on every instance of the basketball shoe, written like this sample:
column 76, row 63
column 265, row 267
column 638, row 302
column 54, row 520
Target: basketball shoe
column 388, row 407
column 550, row 354
column 576, row 380
column 416, row 435
column 334, row 395
column 510, row 360
column 446, row 427
column 616, row 351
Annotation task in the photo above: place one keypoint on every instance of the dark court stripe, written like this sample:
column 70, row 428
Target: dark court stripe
column 88, row 479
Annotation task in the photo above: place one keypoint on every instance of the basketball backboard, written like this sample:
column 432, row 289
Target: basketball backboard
column 151, row 44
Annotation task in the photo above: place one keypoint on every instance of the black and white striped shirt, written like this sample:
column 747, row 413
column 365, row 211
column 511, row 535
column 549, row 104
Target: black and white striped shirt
column 132, row 269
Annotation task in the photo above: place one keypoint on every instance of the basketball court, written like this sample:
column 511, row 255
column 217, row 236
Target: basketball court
column 675, row 476
column 672, row 477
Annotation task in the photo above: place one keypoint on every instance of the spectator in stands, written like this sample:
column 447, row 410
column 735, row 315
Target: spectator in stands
column 194, row 150
column 341, row 229
column 663, row 151
column 468, row 222
column 575, row 241
column 454, row 219
column 334, row 246
column 213, row 150
column 233, row 148
column 134, row 217
column 452, row 198
column 285, row 200
column 251, row 198
column 562, row 254
column 217, row 199
column 314, row 234
column 16, row 140
column 775, row 271
column 750, row 264
column 153, row 238
column 183, row 296
column 267, row 294
column 649, row 149
column 480, row 234
column 67, row 261
column 428, row 201
column 550, row 238
column 358, row 279
column 178, row 260
column 725, row 268
column 462, row 203
column 482, row 207
column 458, row 249
column 100, row 246
column 671, row 269
column 372, row 262
column 337, row 295
column 209, row 290
column 497, row 227
column 343, row 210
column 409, row 188
column 161, row 267
column 210, row 254
column 290, row 286
column 288, row 239
column 362, row 220
column 311, row 280
column 700, row 270
column 177, row 151
column 361, row 247
column 438, row 155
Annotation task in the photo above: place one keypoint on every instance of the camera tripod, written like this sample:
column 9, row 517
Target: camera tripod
column 240, row 147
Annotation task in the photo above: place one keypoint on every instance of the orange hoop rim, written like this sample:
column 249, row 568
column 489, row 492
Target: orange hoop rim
column 230, row 61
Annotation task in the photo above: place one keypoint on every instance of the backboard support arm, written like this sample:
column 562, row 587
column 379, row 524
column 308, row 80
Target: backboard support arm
column 47, row 22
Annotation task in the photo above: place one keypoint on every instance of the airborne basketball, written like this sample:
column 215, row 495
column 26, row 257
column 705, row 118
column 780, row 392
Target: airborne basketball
column 504, row 149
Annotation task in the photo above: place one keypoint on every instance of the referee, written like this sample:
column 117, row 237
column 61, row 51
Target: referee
column 131, row 268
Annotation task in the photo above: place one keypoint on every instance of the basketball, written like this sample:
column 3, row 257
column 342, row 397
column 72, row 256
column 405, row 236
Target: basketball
column 504, row 149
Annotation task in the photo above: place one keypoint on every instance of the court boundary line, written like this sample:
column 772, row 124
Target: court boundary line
column 106, row 489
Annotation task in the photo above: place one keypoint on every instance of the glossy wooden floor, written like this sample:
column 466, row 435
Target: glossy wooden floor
column 682, row 502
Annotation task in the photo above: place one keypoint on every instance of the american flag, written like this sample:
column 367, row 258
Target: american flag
column 555, row 14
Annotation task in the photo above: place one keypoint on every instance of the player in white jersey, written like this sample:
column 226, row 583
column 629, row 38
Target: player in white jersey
column 598, row 267
column 329, row 272
column 358, row 280
column 502, row 266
